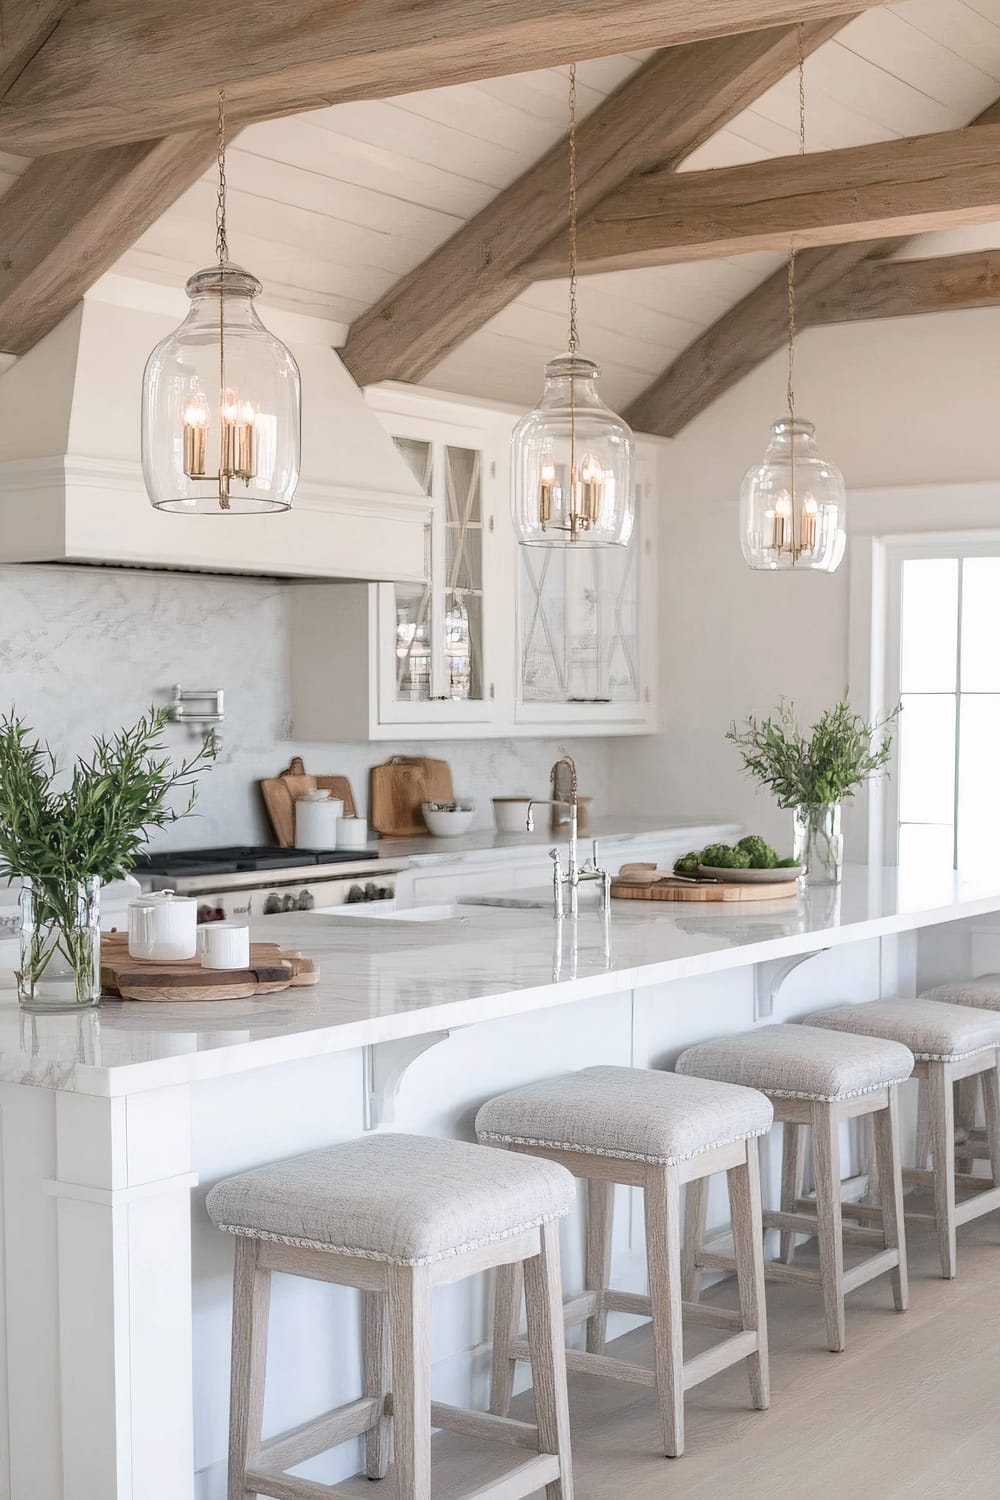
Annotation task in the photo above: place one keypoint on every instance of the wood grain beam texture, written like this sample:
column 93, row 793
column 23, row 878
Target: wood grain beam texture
column 907, row 288
column 25, row 27
column 751, row 331
column 898, row 187
column 118, row 70
column 677, row 100
column 69, row 217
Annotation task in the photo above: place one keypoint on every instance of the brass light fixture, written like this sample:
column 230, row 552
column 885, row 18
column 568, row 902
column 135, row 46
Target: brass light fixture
column 571, row 458
column 793, row 504
column 221, row 404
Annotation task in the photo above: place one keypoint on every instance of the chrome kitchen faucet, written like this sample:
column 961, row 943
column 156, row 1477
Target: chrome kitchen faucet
column 574, row 872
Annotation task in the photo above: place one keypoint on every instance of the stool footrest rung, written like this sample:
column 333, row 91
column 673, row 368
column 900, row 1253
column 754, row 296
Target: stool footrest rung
column 805, row 1223
column 287, row 1487
column 875, row 1265
column 484, row 1426
column 774, row 1270
column 321, row 1433
column 713, row 1361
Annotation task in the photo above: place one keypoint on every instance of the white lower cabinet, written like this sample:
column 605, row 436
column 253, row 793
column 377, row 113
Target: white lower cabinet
column 497, row 639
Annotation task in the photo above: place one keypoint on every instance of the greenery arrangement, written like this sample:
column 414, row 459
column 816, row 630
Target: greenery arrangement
column 824, row 764
column 59, row 836
column 751, row 853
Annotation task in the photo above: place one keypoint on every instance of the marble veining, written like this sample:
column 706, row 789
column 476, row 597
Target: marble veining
column 385, row 978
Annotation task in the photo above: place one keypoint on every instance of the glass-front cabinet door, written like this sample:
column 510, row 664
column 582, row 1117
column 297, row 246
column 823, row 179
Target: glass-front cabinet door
column 434, row 636
column 583, row 636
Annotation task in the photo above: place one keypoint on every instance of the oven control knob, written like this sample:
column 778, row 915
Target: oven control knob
column 288, row 904
column 272, row 905
column 354, row 895
column 306, row 901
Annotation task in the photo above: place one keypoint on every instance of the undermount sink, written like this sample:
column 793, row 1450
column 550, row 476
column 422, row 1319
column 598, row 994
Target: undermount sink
column 442, row 913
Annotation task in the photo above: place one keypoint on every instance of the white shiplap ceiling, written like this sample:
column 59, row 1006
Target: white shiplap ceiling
column 331, row 208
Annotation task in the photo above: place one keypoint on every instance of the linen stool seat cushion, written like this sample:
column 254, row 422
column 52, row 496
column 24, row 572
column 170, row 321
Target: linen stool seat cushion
column 982, row 993
column 796, row 1062
column 407, row 1199
column 629, row 1114
column 933, row 1031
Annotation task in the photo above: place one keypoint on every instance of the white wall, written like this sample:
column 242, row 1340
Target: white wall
column 84, row 650
column 895, row 402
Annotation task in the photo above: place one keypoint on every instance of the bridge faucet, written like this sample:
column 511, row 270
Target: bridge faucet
column 574, row 873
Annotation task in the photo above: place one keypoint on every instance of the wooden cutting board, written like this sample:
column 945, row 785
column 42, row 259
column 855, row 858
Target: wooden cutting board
column 397, row 789
column 647, row 883
column 280, row 793
column 272, row 968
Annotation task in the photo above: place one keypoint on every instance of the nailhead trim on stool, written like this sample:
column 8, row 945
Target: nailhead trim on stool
column 951, row 1043
column 656, row 1131
column 394, row 1216
column 820, row 1080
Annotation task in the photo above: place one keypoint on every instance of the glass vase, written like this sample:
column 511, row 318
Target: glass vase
column 60, row 945
column 819, row 842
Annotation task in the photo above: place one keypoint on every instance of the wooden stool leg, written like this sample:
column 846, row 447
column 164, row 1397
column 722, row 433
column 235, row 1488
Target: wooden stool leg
column 793, row 1173
column 966, row 1100
column 888, row 1157
column 251, row 1300
column 991, row 1104
column 546, row 1341
column 378, row 1382
column 663, row 1253
column 941, row 1104
column 748, row 1243
column 409, row 1317
column 506, row 1315
column 695, row 1214
column 826, row 1169
column 600, row 1223
column 923, row 1154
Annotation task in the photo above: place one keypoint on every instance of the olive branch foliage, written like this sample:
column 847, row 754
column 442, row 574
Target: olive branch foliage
column 59, row 834
column 825, row 763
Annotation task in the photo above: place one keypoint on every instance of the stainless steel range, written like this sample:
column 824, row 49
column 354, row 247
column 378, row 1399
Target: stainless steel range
column 238, row 882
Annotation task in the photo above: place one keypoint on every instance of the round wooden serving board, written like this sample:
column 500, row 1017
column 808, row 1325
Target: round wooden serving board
column 272, row 968
column 647, row 883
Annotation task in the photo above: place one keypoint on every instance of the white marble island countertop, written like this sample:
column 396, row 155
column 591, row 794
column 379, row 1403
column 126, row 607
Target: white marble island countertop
column 385, row 979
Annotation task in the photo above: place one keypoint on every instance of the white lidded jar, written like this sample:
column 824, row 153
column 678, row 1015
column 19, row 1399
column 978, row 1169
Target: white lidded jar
column 163, row 926
column 317, row 815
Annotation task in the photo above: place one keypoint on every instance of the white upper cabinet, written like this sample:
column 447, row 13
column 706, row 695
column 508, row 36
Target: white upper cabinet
column 495, row 638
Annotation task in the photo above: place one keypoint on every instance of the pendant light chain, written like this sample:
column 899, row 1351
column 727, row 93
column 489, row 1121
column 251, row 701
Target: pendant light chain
column 800, row 30
column 574, row 337
column 221, row 242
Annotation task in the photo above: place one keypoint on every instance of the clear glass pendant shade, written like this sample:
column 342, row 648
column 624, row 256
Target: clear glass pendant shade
column 221, row 406
column 793, row 505
column 571, row 468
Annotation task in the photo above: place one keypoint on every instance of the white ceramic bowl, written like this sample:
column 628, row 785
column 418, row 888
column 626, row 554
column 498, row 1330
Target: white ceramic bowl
column 511, row 813
column 446, row 825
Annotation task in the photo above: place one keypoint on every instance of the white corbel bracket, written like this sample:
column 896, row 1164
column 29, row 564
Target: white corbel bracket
column 768, row 978
column 386, row 1064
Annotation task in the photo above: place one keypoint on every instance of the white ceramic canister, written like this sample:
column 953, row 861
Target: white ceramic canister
column 163, row 926
column 352, row 833
column 316, row 817
column 224, row 945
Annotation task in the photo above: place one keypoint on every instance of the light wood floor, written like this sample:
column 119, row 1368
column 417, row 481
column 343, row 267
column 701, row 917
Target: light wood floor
column 910, row 1411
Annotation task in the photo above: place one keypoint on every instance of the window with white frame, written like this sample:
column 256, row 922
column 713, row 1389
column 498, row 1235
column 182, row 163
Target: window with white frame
column 944, row 662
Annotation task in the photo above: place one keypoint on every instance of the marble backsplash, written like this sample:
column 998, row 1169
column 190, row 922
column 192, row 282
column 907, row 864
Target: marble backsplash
column 84, row 650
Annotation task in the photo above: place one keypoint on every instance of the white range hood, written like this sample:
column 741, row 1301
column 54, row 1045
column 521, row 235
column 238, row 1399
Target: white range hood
column 71, row 487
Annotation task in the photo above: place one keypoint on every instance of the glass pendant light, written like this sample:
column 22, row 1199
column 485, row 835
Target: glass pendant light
column 793, row 505
column 221, row 405
column 571, row 458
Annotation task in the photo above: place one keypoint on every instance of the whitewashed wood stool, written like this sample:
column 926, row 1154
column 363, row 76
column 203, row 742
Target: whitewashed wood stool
column 971, row 1145
column 394, row 1216
column 950, row 1043
column 653, row 1131
column 819, row 1081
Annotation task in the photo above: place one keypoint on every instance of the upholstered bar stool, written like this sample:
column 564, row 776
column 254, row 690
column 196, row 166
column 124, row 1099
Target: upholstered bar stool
column 820, row 1081
column 982, row 993
column 394, row 1216
column 950, row 1043
column 655, row 1131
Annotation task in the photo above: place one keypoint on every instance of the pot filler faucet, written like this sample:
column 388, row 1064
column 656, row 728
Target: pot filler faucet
column 574, row 872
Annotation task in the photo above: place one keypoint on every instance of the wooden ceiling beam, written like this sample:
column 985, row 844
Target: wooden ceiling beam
column 752, row 331
column 677, row 100
column 118, row 70
column 25, row 27
column 908, row 288
column 69, row 217
column 897, row 187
